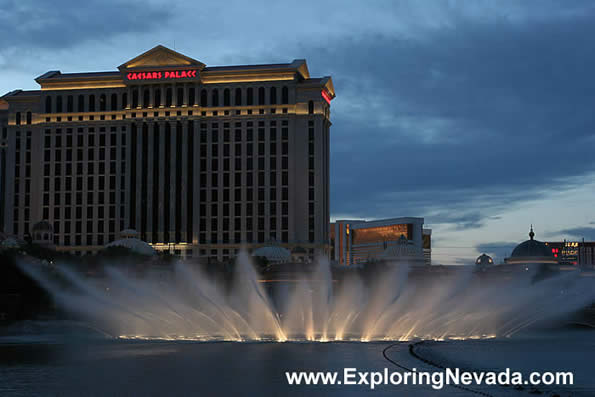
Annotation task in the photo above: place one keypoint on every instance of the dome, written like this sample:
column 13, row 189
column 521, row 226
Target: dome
column 135, row 245
column 43, row 226
column 273, row 253
column 484, row 260
column 531, row 248
column 531, row 251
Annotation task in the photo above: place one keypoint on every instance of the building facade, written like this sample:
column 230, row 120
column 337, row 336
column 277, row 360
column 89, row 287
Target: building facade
column 358, row 241
column 571, row 253
column 199, row 160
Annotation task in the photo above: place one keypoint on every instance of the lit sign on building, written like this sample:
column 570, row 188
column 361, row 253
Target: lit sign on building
column 162, row 75
column 327, row 97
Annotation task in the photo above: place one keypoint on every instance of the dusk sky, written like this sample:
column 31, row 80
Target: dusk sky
column 478, row 116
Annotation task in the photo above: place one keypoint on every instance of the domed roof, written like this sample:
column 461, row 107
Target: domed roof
column 484, row 260
column 134, row 244
column 273, row 253
column 531, row 248
column 43, row 226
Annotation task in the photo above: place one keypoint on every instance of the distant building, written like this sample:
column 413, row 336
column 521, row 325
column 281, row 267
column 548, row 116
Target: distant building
column 531, row 252
column 358, row 241
column 484, row 260
column 572, row 253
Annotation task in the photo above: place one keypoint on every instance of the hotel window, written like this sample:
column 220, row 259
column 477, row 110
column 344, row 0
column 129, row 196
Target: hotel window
column 226, row 97
column 284, row 95
column 91, row 103
column 168, row 97
column 191, row 96
column 273, row 96
column 81, row 103
column 250, row 96
column 69, row 104
column 215, row 97
column 134, row 99
column 238, row 97
column 180, row 98
column 261, row 96
column 203, row 98
column 310, row 107
column 102, row 103
column 114, row 102
column 157, row 98
column 124, row 100
column 146, row 98
column 48, row 104
column 59, row 104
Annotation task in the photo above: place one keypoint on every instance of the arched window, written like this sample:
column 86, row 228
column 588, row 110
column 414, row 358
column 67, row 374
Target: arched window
column 180, row 99
column 102, row 103
column 284, row 95
column 238, row 99
column 59, row 104
column 191, row 96
column 157, row 98
column 91, row 103
column 18, row 118
column 146, row 98
column 114, row 101
column 28, row 117
column 215, row 98
column 134, row 99
column 81, row 103
column 168, row 97
column 48, row 104
column 273, row 96
column 69, row 104
column 261, row 96
column 124, row 100
column 250, row 96
column 310, row 107
column 226, row 97
column 203, row 98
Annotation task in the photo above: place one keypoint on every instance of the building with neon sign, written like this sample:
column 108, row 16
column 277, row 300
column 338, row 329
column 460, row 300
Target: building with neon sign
column 199, row 160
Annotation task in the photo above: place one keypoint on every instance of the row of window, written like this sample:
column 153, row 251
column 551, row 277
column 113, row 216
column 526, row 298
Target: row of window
column 148, row 97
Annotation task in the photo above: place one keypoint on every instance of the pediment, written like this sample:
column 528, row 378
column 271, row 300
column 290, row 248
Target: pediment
column 159, row 57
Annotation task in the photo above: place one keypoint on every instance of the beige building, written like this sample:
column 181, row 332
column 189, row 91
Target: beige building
column 198, row 160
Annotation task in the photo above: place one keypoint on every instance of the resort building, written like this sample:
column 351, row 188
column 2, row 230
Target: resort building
column 199, row 160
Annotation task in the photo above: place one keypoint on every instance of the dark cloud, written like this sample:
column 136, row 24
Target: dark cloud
column 461, row 122
column 60, row 24
column 586, row 232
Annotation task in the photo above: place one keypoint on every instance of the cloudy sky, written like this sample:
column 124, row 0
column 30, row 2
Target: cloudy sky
column 477, row 115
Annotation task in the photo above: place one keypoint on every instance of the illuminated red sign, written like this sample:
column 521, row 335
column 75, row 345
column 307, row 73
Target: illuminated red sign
column 327, row 97
column 161, row 75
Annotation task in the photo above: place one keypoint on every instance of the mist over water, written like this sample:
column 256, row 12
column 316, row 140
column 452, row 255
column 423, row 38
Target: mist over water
column 315, row 307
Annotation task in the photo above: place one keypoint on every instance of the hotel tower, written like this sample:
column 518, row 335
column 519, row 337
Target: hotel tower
column 197, row 160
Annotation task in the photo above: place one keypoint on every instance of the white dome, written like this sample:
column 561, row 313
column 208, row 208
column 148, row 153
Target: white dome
column 273, row 253
column 134, row 244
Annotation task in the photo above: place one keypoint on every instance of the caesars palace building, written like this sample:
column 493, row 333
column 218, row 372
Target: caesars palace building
column 197, row 160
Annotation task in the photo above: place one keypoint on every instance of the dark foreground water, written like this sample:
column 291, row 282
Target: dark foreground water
column 68, row 365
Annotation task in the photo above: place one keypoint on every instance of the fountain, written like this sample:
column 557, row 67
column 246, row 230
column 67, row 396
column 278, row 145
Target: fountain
column 193, row 306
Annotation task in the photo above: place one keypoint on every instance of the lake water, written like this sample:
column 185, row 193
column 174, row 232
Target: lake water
column 59, row 363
